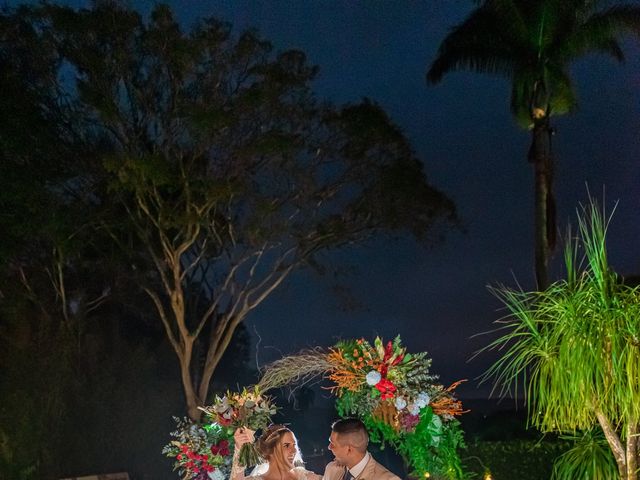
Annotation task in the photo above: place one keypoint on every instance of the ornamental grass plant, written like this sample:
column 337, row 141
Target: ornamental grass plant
column 574, row 349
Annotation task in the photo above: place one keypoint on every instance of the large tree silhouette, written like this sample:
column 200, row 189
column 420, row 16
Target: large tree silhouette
column 217, row 171
column 533, row 43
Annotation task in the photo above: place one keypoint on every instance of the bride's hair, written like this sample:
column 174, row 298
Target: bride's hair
column 269, row 446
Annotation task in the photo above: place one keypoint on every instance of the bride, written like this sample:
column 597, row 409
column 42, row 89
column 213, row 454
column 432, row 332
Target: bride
column 279, row 447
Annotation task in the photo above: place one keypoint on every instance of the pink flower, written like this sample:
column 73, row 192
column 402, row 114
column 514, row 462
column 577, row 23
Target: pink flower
column 409, row 422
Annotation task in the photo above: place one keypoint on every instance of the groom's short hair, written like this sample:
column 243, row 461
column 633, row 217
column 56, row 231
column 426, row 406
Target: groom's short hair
column 353, row 432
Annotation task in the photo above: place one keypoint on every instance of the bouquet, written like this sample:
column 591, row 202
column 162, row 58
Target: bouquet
column 247, row 409
column 201, row 451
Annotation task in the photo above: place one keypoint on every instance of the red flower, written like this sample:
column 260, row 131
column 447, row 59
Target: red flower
column 222, row 448
column 388, row 352
column 386, row 388
column 180, row 456
column 398, row 359
column 225, row 422
column 383, row 370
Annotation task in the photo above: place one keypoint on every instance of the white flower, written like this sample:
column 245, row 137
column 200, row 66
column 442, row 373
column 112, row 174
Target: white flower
column 373, row 377
column 223, row 406
column 400, row 403
column 414, row 409
column 216, row 475
column 423, row 399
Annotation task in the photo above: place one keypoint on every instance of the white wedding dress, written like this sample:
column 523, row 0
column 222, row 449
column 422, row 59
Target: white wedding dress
column 301, row 473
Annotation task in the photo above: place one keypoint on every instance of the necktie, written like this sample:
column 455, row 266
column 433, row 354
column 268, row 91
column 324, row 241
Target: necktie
column 347, row 475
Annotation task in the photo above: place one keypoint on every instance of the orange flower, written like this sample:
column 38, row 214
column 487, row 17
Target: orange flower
column 343, row 373
column 445, row 404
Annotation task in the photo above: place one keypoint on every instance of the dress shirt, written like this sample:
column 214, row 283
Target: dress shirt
column 359, row 467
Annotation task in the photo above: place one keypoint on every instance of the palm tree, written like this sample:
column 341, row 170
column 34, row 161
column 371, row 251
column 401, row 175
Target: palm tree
column 533, row 42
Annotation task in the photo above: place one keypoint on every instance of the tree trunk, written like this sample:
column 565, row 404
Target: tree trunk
column 632, row 451
column 219, row 340
column 540, row 156
column 191, row 398
column 614, row 444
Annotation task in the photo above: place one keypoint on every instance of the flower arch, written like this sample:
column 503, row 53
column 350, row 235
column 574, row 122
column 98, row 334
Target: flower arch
column 392, row 392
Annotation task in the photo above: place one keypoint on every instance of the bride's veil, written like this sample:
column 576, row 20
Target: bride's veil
column 260, row 469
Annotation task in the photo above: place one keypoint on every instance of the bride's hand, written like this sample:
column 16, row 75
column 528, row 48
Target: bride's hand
column 243, row 435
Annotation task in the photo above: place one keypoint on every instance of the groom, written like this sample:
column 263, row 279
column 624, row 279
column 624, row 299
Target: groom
column 348, row 443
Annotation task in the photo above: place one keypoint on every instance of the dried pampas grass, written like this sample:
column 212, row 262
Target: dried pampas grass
column 295, row 370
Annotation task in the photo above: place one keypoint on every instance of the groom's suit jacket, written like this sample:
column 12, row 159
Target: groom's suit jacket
column 372, row 471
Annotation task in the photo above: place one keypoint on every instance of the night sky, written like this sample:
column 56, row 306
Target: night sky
column 472, row 149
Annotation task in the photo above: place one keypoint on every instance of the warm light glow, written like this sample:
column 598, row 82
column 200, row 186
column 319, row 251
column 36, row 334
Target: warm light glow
column 537, row 114
column 427, row 474
column 487, row 476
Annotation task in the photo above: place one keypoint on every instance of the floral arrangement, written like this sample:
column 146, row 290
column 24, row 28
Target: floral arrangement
column 201, row 452
column 392, row 392
column 247, row 409
column 400, row 402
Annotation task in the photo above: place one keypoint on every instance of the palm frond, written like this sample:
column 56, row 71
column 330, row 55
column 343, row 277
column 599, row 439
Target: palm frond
column 601, row 32
column 562, row 96
column 478, row 45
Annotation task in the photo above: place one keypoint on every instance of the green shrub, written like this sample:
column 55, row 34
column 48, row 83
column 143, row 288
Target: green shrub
column 521, row 459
